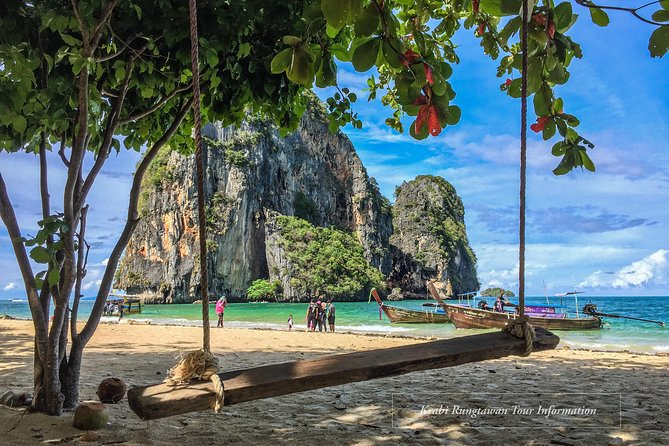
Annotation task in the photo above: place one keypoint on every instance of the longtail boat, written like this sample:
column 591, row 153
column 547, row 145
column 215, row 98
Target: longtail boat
column 540, row 316
column 406, row 316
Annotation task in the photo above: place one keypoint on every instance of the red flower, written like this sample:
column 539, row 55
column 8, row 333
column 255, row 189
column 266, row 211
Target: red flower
column 481, row 29
column 540, row 124
column 508, row 82
column 475, row 4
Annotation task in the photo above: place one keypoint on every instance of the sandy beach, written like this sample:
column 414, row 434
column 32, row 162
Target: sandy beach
column 486, row 403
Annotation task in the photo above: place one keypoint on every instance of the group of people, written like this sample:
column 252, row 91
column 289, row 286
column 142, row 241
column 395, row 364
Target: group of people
column 320, row 314
column 498, row 306
column 113, row 308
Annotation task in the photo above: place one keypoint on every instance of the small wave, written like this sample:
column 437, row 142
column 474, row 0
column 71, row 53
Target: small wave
column 661, row 348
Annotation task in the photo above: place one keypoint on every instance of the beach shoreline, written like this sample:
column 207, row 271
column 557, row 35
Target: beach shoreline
column 384, row 411
column 298, row 328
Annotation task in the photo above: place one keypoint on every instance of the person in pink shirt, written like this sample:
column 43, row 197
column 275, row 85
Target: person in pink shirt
column 220, row 310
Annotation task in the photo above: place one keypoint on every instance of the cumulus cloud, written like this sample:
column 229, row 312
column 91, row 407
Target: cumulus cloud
column 104, row 262
column 652, row 270
column 10, row 286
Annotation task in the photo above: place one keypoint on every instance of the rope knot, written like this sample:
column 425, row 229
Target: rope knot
column 201, row 365
column 522, row 329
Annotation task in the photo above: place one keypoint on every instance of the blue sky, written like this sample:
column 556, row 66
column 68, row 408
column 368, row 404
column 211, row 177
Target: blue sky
column 604, row 233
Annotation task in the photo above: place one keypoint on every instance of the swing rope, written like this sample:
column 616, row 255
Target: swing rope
column 520, row 327
column 199, row 364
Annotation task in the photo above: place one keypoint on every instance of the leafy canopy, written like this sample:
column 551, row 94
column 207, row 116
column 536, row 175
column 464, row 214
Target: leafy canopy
column 140, row 54
column 409, row 42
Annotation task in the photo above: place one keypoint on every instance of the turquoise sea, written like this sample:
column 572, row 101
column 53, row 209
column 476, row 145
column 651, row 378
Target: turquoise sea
column 617, row 334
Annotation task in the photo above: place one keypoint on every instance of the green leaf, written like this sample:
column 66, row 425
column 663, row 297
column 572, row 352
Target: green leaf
column 599, row 17
column 508, row 7
column 454, row 114
column 281, row 61
column 364, row 56
column 587, row 162
column 69, row 40
column 340, row 52
column 54, row 277
column 212, row 57
column 301, row 69
column 336, row 12
column 564, row 17
column 368, row 22
column 659, row 42
column 19, row 123
column 390, row 54
column 664, row 4
column 291, row 40
column 661, row 15
column 540, row 105
column 40, row 255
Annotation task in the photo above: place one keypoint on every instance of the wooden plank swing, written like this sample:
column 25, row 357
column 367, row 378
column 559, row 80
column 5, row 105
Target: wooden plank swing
column 160, row 400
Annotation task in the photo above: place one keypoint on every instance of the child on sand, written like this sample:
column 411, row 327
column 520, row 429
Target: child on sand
column 290, row 322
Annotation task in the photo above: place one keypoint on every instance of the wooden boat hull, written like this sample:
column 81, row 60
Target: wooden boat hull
column 466, row 317
column 405, row 316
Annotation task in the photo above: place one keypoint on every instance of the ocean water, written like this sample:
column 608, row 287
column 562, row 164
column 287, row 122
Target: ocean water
column 616, row 335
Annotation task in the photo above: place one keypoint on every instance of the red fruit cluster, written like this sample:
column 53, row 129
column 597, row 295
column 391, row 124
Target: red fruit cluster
column 475, row 4
column 427, row 115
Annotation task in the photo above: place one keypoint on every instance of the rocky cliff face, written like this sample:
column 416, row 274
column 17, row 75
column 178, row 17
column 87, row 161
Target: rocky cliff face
column 252, row 174
column 429, row 238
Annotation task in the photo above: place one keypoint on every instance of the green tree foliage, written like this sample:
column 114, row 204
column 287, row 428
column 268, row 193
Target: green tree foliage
column 91, row 78
column 409, row 42
column 494, row 292
column 325, row 260
column 263, row 289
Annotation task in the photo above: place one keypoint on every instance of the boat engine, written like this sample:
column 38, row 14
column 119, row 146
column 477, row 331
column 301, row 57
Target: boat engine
column 590, row 309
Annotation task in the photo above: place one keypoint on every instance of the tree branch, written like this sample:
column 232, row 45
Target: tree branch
column 156, row 106
column 9, row 219
column 110, row 130
column 82, row 261
column 131, row 222
column 633, row 11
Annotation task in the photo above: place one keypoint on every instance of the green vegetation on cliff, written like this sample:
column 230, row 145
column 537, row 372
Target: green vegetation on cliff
column 324, row 260
column 494, row 292
column 263, row 289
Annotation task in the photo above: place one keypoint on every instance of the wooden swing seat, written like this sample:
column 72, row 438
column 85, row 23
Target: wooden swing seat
column 160, row 400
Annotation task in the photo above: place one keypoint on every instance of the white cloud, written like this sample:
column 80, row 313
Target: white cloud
column 104, row 262
column 10, row 286
column 652, row 270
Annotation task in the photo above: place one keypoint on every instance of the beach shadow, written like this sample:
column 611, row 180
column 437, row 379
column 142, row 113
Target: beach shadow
column 384, row 411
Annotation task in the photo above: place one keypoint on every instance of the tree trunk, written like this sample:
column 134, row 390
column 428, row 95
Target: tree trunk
column 70, row 377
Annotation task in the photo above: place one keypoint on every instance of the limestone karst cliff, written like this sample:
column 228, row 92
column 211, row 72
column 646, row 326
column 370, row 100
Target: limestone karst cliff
column 429, row 239
column 252, row 174
column 253, row 177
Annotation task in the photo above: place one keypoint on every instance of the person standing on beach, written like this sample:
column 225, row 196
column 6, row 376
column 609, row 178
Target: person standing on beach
column 318, row 311
column 311, row 316
column 324, row 314
column 220, row 310
column 331, row 317
column 290, row 322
